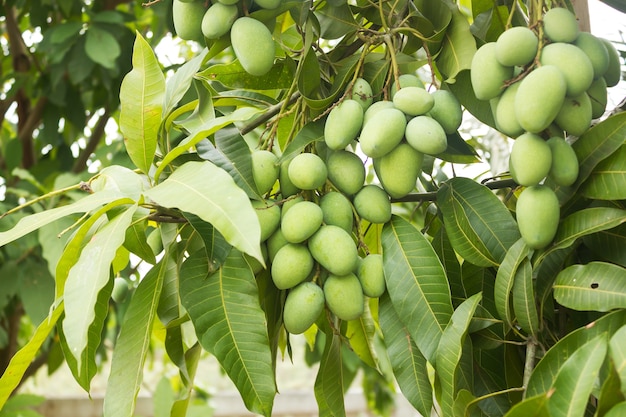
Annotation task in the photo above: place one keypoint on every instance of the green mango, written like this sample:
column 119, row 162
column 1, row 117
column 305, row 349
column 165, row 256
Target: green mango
column 413, row 101
column 517, row 46
column 406, row 80
column 301, row 221
column 265, row 170
column 372, row 204
column 344, row 296
column 530, row 159
column 253, row 45
column 446, row 110
column 375, row 108
column 598, row 96
column 303, row 305
column 399, row 169
column 333, row 248
column 539, row 98
column 269, row 216
column 274, row 243
column 505, row 118
column 187, row 18
column 292, row 265
column 268, row 4
column 382, row 132
column 287, row 189
column 596, row 51
column 307, row 171
column 218, row 19
column 371, row 274
column 362, row 93
column 346, row 171
column 337, row 210
column 560, row 25
column 343, row 124
column 575, row 115
column 613, row 73
column 538, row 212
column 564, row 168
column 573, row 63
column 487, row 74
column 426, row 135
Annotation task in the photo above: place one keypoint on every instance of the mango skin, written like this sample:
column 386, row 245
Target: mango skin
column 268, row 4
column 573, row 63
column 337, row 210
column 372, row 204
column 307, row 171
column 343, row 124
column 265, row 170
column 287, row 189
column 218, row 19
column 539, row 98
column 564, row 169
column 382, row 132
column 613, row 73
column 362, row 93
column 371, row 274
column 575, row 115
column 333, row 248
column 446, row 111
column 516, row 46
column 598, row 96
column 303, row 305
column 253, row 45
column 292, row 265
column 188, row 20
column 399, row 169
column 596, row 51
column 538, row 212
column 530, row 159
column 406, row 80
column 344, row 296
column 426, row 135
column 268, row 213
column 487, row 74
column 560, row 25
column 505, row 118
column 274, row 243
column 301, row 221
column 413, row 101
column 375, row 108
column 346, row 171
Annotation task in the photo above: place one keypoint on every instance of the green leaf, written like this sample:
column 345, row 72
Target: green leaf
column 608, row 179
column 232, row 75
column 524, row 304
column 536, row 406
column 450, row 350
column 310, row 132
column 609, row 244
column 610, row 393
column 336, row 21
column 215, row 246
column 141, row 105
column 230, row 324
column 87, row 278
column 576, row 378
column 133, row 344
column 203, row 110
column 169, row 303
column 20, row 362
column 505, row 279
column 102, row 47
column 407, row 362
column 450, row 262
column 596, row 286
column 329, row 381
column 620, row 409
column 480, row 227
column 417, row 284
column 458, row 47
column 546, row 370
column 125, row 181
column 137, row 243
column 360, row 333
column 207, row 191
column 463, row 90
column 617, row 349
column 178, row 84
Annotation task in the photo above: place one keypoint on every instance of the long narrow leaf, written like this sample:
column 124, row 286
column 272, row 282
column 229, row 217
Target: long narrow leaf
column 596, row 286
column 329, row 382
column 524, row 304
column 608, row 179
column 505, row 279
column 617, row 346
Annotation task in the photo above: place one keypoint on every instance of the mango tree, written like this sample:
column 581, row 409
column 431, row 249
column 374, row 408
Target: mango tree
column 298, row 176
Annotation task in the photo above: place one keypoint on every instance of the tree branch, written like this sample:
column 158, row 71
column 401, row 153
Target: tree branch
column 432, row 196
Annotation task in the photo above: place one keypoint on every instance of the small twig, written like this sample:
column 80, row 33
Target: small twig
column 271, row 112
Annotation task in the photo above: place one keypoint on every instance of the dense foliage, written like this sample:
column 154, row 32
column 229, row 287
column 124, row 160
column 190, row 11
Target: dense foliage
column 297, row 175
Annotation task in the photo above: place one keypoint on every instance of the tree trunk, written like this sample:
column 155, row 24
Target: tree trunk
column 581, row 8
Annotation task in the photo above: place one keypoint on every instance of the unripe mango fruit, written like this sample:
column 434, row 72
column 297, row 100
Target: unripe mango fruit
column 343, row 124
column 253, row 45
column 268, row 4
column 218, row 19
column 598, row 96
column 362, row 93
column 413, row 101
column 539, row 98
column 307, row 171
column 334, row 249
column 292, row 264
column 560, row 25
column 446, row 110
column 303, row 305
column 538, row 212
column 337, row 210
column 382, row 132
column 426, row 135
column 573, row 64
column 375, row 108
column 346, row 171
column 301, row 221
column 187, row 19
column 613, row 72
column 530, row 159
column 596, row 51
column 287, row 189
column 575, row 114
column 228, row 2
column 268, row 213
column 516, row 46
column 265, row 169
column 406, row 80
column 399, row 169
column 505, row 118
column 564, row 168
column 372, row 204
column 487, row 74
column 372, row 275
column 344, row 296
column 274, row 243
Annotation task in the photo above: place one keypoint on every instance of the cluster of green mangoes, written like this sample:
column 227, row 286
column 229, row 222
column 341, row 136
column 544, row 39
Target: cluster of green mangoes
column 250, row 39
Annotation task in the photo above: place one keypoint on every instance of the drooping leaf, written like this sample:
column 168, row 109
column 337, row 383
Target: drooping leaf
column 536, row 406
column 417, row 284
column 617, row 349
column 609, row 244
column 619, row 409
column 210, row 193
column 329, row 381
column 610, row 393
column 311, row 132
column 407, row 362
column 215, row 246
column 360, row 333
column 87, row 278
column 450, row 350
column 230, row 324
column 136, row 242
column 169, row 309
column 524, row 304
column 458, row 47
column 450, row 262
column 141, row 105
column 233, row 75
column 608, row 179
column 505, row 279
column 203, row 109
column 596, row 286
column 336, row 21
column 133, row 344
column 575, row 379
column 178, row 84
